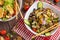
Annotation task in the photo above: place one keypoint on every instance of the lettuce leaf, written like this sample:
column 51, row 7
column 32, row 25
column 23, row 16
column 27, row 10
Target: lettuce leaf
column 9, row 1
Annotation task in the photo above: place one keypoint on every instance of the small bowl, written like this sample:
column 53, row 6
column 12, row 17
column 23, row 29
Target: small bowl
column 20, row 4
column 45, row 5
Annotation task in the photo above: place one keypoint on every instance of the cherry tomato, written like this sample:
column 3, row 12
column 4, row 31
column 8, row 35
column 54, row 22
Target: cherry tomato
column 7, row 38
column 0, row 32
column 4, row 14
column 3, row 32
column 56, row 0
column 34, row 29
column 26, row 7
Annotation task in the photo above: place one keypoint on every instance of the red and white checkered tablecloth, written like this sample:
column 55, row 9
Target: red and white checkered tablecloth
column 26, row 34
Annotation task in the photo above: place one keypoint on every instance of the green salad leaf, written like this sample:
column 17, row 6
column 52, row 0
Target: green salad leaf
column 40, row 5
column 8, row 2
column 4, row 19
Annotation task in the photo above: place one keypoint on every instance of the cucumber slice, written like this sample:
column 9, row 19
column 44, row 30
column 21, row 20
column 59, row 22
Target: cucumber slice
column 38, row 31
column 27, row 22
column 47, row 34
column 40, row 5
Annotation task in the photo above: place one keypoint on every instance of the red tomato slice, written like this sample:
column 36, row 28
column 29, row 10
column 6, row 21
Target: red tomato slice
column 26, row 7
column 56, row 0
column 34, row 29
column 7, row 38
column 3, row 32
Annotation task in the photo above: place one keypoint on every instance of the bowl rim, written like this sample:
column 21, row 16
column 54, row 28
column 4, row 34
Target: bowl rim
column 31, row 29
column 20, row 3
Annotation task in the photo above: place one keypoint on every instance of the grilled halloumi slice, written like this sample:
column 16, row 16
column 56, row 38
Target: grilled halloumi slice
column 1, row 38
column 10, row 9
column 1, row 2
column 1, row 12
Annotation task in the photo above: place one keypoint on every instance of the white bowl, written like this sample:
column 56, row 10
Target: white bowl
column 20, row 4
column 45, row 5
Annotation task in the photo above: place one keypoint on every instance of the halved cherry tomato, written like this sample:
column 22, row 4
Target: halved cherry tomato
column 56, row 1
column 7, row 38
column 26, row 7
column 34, row 29
column 0, row 32
column 4, row 14
column 3, row 32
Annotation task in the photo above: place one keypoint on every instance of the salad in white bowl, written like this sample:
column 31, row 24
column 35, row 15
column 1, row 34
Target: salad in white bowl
column 41, row 16
column 8, row 9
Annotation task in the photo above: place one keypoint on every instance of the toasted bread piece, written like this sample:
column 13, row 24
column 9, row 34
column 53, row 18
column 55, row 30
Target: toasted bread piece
column 1, row 38
column 1, row 12
column 1, row 2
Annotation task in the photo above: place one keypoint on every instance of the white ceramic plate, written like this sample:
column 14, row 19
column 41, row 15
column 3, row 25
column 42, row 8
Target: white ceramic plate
column 45, row 5
column 20, row 4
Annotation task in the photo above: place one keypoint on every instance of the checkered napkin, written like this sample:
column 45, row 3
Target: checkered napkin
column 55, row 36
column 53, row 4
column 26, row 34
